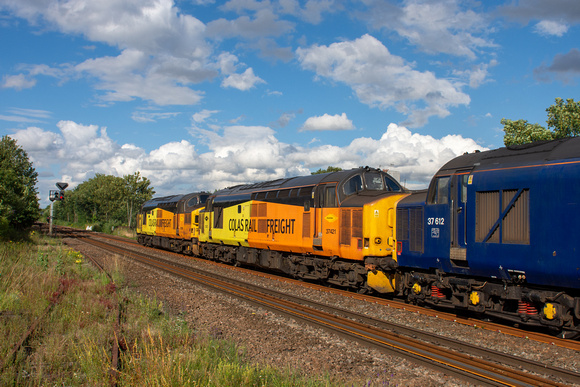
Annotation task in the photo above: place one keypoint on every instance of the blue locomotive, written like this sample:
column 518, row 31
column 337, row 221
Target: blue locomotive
column 498, row 233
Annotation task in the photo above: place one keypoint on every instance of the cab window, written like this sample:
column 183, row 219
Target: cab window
column 374, row 181
column 330, row 196
column 327, row 196
column 440, row 191
column 353, row 185
column 391, row 184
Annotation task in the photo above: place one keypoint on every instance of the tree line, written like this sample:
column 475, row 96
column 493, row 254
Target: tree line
column 18, row 200
column 105, row 200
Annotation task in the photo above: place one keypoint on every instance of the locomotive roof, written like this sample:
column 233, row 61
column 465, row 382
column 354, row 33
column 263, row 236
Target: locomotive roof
column 164, row 200
column 168, row 201
column 515, row 155
column 298, row 181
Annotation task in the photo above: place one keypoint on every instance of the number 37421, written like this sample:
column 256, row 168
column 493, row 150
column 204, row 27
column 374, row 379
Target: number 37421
column 435, row 221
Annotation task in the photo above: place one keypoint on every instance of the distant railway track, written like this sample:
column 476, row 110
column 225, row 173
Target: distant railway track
column 477, row 365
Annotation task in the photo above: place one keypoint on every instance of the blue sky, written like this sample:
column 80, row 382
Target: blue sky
column 199, row 95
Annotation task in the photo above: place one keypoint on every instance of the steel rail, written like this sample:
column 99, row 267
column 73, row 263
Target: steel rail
column 459, row 364
column 473, row 350
column 469, row 321
column 447, row 316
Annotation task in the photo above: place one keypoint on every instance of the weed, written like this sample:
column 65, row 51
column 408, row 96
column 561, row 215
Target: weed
column 42, row 260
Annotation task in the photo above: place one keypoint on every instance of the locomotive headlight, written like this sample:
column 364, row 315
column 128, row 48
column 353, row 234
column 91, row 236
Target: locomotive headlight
column 378, row 241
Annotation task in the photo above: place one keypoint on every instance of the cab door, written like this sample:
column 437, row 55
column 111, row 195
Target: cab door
column 326, row 219
column 208, row 219
column 458, row 206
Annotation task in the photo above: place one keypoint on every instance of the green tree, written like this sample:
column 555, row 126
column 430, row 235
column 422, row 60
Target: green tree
column 329, row 169
column 522, row 132
column 563, row 121
column 137, row 192
column 99, row 199
column 564, row 118
column 18, row 201
column 105, row 199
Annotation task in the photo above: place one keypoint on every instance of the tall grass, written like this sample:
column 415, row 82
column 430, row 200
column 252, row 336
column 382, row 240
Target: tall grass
column 72, row 343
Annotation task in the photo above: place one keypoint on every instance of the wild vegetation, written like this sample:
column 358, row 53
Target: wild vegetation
column 73, row 308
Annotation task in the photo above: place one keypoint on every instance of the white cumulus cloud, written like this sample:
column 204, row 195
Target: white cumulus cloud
column 18, row 82
column 443, row 26
column 382, row 79
column 244, row 81
column 328, row 122
column 235, row 155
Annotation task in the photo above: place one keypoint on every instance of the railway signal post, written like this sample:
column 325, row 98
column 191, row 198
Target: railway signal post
column 55, row 195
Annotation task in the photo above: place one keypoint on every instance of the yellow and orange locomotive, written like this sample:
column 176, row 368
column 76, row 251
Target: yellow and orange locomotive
column 337, row 227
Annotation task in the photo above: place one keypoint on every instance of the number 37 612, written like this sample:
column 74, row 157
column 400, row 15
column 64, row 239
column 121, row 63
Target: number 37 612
column 435, row 221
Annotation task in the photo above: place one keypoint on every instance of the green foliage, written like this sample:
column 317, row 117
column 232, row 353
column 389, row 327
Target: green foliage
column 105, row 201
column 563, row 121
column 137, row 192
column 564, row 118
column 18, row 202
column 522, row 132
column 329, row 169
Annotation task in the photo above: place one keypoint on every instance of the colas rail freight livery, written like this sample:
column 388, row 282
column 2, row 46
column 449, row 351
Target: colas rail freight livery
column 496, row 233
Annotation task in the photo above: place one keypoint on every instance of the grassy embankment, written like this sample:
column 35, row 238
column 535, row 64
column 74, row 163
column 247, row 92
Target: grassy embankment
column 72, row 343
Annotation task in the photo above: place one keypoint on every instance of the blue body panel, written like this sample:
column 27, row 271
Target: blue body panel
column 528, row 221
column 552, row 256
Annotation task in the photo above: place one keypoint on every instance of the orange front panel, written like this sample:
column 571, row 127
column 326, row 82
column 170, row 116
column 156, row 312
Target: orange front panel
column 184, row 226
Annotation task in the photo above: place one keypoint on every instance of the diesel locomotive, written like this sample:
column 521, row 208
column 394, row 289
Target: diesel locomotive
column 494, row 234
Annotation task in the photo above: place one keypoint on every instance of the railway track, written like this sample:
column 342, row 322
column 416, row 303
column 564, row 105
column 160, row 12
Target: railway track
column 487, row 325
column 476, row 365
column 394, row 303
